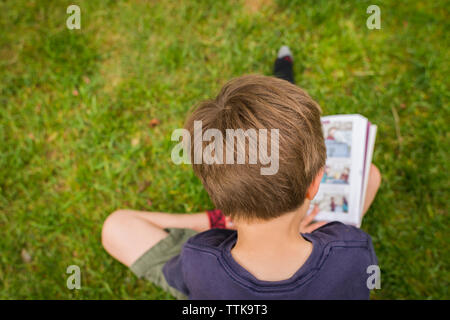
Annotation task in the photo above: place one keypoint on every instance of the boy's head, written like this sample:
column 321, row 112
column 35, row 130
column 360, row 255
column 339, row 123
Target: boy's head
column 260, row 102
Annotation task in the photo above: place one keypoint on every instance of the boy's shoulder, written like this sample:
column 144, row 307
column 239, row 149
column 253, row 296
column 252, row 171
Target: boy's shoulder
column 333, row 233
column 212, row 239
column 338, row 232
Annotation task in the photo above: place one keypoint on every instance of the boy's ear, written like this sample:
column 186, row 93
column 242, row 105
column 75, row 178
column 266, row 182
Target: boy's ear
column 314, row 187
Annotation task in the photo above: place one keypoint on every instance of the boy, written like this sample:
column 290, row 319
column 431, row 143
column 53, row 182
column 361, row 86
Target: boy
column 275, row 251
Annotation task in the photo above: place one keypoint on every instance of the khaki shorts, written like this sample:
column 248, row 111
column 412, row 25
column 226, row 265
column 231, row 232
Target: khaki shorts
column 150, row 264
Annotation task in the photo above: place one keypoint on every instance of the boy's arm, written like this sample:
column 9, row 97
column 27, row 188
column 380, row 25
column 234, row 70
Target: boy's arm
column 195, row 221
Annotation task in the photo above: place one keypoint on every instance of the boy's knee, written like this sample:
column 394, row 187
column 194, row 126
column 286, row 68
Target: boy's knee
column 375, row 176
column 111, row 228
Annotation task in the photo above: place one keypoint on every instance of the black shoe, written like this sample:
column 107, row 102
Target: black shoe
column 284, row 65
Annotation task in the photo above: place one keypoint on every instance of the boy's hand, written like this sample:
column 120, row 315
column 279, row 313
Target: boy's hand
column 307, row 225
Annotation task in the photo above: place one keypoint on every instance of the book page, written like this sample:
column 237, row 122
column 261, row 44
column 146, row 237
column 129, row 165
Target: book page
column 339, row 195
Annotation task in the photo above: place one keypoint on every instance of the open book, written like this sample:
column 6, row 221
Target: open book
column 349, row 140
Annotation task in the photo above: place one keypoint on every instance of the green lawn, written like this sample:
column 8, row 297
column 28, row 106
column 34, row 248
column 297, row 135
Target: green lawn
column 76, row 141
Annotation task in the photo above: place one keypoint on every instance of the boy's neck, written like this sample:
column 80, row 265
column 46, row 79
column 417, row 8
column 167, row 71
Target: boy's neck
column 272, row 250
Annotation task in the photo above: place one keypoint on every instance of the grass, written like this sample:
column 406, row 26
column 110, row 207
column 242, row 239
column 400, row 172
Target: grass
column 76, row 141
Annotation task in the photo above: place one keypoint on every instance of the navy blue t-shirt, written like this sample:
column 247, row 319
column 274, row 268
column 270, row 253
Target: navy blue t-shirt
column 336, row 268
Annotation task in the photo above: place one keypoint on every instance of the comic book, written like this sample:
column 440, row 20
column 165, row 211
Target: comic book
column 349, row 140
